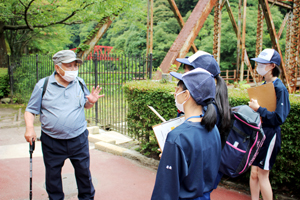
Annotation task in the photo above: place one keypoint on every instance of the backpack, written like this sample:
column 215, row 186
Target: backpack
column 244, row 140
column 46, row 84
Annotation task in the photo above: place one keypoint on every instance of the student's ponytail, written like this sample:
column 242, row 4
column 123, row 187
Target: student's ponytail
column 222, row 104
column 210, row 116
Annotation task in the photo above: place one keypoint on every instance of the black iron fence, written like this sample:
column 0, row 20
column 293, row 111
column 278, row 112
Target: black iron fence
column 108, row 71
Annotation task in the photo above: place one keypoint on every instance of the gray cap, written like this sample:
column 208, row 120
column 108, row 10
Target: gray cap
column 65, row 56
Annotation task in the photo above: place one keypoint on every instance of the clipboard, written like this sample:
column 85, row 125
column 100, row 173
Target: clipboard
column 161, row 130
column 265, row 96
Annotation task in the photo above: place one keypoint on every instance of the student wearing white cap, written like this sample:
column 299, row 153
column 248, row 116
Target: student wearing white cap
column 191, row 156
column 268, row 67
column 64, row 134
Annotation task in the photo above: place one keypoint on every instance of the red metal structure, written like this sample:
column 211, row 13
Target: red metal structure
column 191, row 28
column 102, row 52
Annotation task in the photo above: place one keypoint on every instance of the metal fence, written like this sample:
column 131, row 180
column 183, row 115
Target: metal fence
column 108, row 71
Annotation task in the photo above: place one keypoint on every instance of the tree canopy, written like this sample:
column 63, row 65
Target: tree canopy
column 26, row 23
column 45, row 26
column 128, row 37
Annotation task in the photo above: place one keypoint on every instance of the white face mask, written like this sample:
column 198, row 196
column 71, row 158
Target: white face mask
column 69, row 75
column 261, row 69
column 178, row 105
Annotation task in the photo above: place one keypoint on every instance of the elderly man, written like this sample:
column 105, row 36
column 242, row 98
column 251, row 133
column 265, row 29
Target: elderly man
column 60, row 100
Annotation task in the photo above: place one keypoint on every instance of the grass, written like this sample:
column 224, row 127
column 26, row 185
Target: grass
column 3, row 71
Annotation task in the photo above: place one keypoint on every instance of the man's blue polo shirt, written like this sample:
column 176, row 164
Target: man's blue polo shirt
column 61, row 109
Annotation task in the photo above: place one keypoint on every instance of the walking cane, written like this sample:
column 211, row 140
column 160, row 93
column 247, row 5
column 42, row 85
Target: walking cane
column 31, row 149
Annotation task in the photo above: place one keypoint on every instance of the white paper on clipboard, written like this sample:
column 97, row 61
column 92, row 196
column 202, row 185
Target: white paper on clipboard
column 161, row 130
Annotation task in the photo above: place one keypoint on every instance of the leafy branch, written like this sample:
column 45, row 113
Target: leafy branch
column 63, row 21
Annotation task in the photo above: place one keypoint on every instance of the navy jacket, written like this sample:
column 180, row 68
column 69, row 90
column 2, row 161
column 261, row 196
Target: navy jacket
column 189, row 163
column 276, row 118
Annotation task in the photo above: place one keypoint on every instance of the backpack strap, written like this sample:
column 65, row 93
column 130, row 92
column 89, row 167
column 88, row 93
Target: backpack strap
column 81, row 85
column 45, row 86
column 245, row 136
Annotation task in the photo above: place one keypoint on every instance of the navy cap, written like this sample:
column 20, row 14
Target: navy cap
column 200, row 83
column 268, row 56
column 202, row 59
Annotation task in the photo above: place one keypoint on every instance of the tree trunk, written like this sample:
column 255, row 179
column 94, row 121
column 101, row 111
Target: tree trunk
column 3, row 52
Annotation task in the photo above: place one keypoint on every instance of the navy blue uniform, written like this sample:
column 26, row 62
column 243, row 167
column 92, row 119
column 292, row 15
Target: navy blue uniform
column 189, row 164
column 271, row 126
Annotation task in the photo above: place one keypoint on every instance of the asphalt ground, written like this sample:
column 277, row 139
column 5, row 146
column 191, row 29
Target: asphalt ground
column 115, row 177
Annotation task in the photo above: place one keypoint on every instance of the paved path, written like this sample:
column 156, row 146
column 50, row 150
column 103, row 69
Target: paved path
column 114, row 177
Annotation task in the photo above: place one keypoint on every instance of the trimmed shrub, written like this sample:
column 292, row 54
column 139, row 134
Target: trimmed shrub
column 4, row 83
column 140, row 118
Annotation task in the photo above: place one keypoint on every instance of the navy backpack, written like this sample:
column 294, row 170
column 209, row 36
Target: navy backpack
column 243, row 142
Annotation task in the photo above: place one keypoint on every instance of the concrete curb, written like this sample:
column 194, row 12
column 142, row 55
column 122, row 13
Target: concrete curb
column 108, row 145
column 127, row 153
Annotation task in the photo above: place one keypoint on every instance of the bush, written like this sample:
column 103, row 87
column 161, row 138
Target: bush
column 4, row 83
column 139, row 94
column 140, row 118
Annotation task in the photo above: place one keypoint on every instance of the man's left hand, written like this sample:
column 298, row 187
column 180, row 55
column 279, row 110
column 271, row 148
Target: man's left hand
column 94, row 95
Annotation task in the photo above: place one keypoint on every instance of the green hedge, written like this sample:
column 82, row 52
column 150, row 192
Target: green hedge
column 4, row 82
column 140, row 118
column 286, row 172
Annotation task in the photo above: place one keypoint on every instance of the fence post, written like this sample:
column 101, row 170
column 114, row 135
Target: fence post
column 37, row 68
column 96, row 83
column 150, row 67
column 234, row 75
column 10, row 75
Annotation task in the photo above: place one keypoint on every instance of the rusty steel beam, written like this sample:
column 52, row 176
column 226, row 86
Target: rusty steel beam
column 217, row 30
column 274, row 38
column 283, row 25
column 148, row 30
column 239, row 41
column 295, row 44
column 281, row 4
column 243, row 41
column 288, row 43
column 151, row 26
column 259, row 37
column 187, row 35
column 235, row 28
column 180, row 19
column 102, row 27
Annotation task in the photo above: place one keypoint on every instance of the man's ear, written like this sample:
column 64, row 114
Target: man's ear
column 56, row 67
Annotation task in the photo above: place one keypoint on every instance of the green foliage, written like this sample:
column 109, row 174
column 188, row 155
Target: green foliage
column 139, row 94
column 4, row 82
column 166, row 30
column 286, row 170
column 141, row 119
column 48, row 20
column 242, row 85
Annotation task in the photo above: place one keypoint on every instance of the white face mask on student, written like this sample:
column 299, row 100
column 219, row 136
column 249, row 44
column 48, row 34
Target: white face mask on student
column 180, row 105
column 261, row 69
column 69, row 75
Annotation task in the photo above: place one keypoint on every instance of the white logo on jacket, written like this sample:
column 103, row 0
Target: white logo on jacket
column 169, row 167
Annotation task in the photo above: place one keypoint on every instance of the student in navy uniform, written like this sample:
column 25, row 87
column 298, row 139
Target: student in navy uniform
column 268, row 62
column 192, row 153
column 204, row 60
